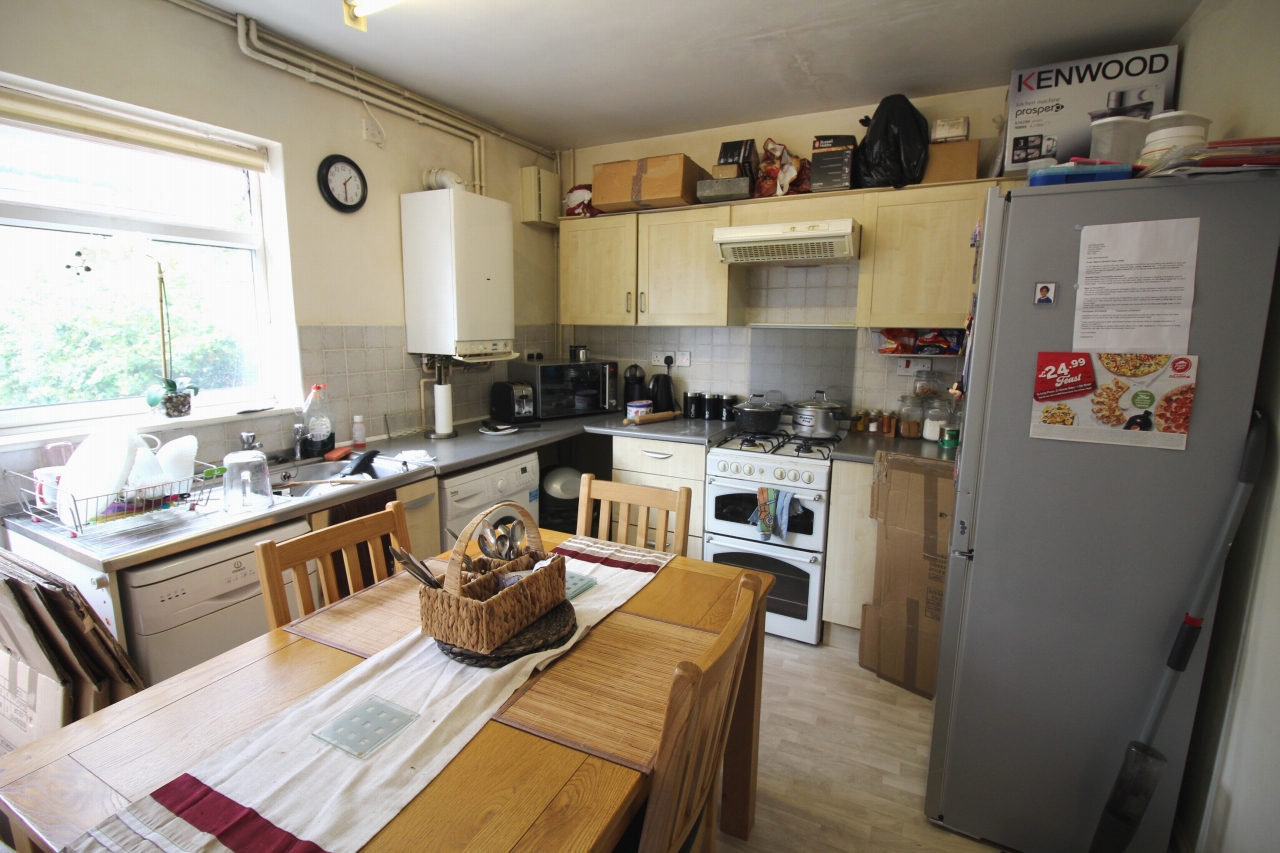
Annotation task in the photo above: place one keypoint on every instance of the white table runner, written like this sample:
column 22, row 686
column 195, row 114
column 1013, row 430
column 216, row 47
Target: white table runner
column 280, row 789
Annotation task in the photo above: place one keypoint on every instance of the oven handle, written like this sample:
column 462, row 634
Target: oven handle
column 744, row 545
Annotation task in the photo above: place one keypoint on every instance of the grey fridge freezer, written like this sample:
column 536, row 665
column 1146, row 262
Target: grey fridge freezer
column 1072, row 562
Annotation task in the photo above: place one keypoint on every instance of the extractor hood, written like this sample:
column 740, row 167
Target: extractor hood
column 821, row 241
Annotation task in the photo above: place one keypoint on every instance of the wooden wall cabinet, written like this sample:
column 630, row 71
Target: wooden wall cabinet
column 679, row 276
column 917, row 268
column 598, row 271
column 851, row 545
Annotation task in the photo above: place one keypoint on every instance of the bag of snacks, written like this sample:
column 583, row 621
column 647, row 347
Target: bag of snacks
column 898, row 341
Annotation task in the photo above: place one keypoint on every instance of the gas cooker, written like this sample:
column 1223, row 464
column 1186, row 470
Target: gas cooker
column 792, row 460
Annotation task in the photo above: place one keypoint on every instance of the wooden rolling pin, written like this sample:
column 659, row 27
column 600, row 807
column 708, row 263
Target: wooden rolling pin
column 652, row 418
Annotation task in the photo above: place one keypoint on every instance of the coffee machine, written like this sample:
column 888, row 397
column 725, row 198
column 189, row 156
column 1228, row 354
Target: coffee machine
column 633, row 384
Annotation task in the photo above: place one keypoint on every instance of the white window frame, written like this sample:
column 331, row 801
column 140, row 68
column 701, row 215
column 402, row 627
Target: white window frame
column 280, row 372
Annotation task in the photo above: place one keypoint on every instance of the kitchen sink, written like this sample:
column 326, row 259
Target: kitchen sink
column 283, row 475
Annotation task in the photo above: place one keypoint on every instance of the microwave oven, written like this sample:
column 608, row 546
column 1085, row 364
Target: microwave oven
column 563, row 389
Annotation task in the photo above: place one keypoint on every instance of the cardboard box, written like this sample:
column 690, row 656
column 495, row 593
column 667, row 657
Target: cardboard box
column 667, row 181
column 914, row 501
column 951, row 161
column 1052, row 107
column 742, row 153
column 726, row 172
column 728, row 189
column 831, row 169
column 823, row 143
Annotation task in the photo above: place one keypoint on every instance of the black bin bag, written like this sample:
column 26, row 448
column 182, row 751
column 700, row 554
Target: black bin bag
column 896, row 147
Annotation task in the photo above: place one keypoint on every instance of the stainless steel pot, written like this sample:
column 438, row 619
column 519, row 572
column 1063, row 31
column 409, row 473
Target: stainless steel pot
column 819, row 417
column 757, row 415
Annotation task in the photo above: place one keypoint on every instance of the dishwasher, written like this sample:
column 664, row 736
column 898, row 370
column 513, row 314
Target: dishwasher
column 184, row 610
column 466, row 495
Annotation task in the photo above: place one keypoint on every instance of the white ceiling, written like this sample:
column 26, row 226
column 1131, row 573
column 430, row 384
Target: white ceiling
column 575, row 73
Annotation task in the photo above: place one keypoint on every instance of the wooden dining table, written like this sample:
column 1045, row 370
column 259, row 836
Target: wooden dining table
column 509, row 789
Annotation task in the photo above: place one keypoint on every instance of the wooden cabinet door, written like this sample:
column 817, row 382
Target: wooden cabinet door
column 918, row 264
column 680, row 278
column 598, row 271
column 851, row 545
column 422, row 513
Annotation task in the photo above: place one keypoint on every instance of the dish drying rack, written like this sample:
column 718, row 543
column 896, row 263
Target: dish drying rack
column 88, row 514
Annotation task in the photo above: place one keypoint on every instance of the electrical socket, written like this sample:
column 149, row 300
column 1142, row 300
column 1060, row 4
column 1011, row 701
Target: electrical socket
column 909, row 366
column 682, row 359
column 656, row 358
column 373, row 133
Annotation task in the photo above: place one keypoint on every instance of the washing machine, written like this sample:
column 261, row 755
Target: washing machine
column 466, row 495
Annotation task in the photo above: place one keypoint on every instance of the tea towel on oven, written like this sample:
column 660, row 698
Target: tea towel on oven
column 773, row 513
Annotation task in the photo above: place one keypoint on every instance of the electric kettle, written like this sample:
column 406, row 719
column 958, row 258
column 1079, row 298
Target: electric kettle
column 661, row 391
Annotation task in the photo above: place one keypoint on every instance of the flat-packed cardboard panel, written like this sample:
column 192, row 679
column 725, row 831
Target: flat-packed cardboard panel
column 914, row 501
column 667, row 181
column 951, row 161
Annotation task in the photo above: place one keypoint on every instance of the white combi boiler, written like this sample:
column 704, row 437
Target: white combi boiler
column 466, row 495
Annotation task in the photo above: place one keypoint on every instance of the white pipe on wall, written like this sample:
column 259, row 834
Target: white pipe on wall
column 325, row 71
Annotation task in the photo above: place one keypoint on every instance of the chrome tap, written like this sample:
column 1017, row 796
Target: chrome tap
column 248, row 441
column 299, row 433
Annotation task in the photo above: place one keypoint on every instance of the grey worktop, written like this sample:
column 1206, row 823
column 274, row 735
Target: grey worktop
column 692, row 431
column 113, row 548
column 863, row 446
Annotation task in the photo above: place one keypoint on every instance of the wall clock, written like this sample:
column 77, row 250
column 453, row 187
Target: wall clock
column 342, row 183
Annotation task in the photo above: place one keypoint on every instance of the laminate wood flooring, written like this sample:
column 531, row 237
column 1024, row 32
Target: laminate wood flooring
column 843, row 758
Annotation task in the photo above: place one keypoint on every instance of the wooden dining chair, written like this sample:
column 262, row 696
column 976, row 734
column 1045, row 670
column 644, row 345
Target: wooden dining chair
column 320, row 545
column 666, row 502
column 681, row 813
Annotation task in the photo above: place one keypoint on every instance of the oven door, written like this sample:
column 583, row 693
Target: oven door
column 729, row 504
column 794, row 606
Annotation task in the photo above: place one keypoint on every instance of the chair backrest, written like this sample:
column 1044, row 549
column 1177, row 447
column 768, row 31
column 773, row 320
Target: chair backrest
column 664, row 501
column 695, row 731
column 320, row 545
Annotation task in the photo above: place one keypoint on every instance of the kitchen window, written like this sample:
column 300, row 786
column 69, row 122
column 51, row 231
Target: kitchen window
column 87, row 224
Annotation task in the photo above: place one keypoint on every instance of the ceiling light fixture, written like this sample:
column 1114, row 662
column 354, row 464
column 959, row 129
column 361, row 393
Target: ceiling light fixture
column 365, row 8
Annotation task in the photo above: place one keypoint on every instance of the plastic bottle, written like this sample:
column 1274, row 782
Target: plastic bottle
column 318, row 417
column 358, row 435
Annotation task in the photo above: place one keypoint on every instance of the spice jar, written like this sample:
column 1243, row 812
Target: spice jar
column 936, row 416
column 873, row 421
column 928, row 383
column 910, row 416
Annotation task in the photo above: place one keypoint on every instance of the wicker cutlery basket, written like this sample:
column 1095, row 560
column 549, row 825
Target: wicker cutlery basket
column 474, row 611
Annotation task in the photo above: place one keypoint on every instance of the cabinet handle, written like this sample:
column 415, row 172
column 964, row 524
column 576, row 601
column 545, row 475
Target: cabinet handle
column 653, row 454
column 642, row 301
column 628, row 303
column 422, row 501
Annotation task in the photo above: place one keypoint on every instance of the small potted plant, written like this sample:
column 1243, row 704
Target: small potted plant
column 171, row 396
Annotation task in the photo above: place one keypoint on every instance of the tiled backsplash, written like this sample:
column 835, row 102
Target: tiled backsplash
column 819, row 295
column 799, row 361
column 718, row 356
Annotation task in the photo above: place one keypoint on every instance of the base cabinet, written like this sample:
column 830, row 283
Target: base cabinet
column 851, row 545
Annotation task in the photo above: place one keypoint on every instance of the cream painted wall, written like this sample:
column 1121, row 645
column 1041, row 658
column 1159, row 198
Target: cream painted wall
column 1229, row 67
column 983, row 107
column 346, row 267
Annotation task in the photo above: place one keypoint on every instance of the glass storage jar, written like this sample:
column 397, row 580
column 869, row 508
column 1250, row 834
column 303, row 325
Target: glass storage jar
column 910, row 416
column 928, row 383
column 937, row 414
